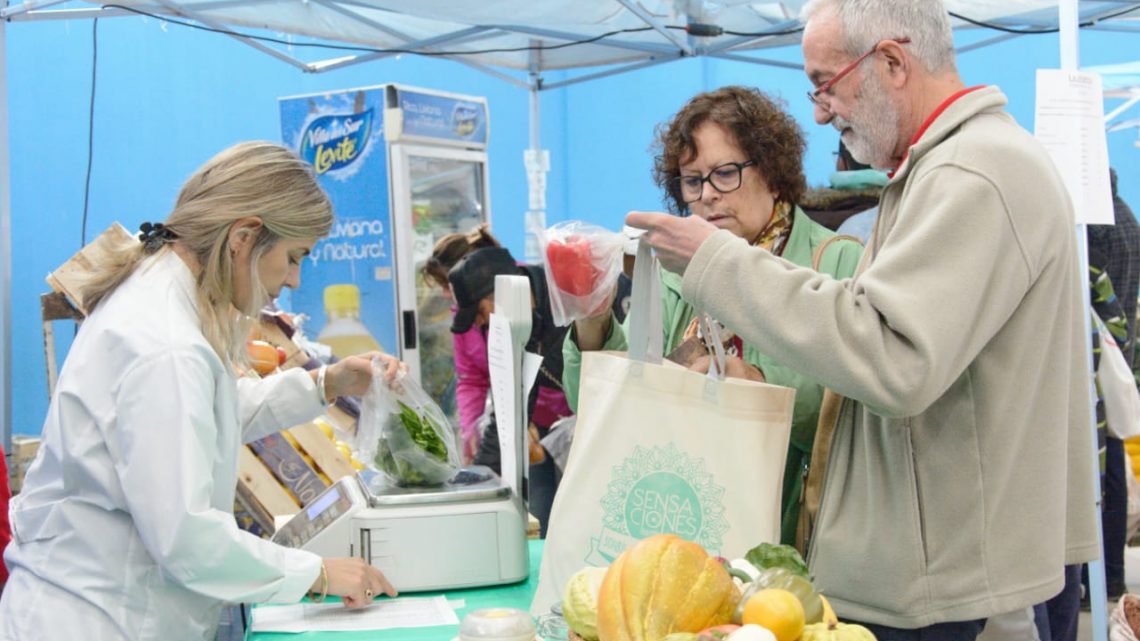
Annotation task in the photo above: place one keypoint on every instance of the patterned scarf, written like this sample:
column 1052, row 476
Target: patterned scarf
column 775, row 234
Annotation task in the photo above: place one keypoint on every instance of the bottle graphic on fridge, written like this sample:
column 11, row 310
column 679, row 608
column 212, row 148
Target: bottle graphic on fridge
column 344, row 332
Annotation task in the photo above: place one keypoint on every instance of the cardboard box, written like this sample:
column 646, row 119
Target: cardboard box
column 24, row 449
column 69, row 277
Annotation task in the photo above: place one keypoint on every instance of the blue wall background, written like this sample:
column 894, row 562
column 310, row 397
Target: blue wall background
column 168, row 98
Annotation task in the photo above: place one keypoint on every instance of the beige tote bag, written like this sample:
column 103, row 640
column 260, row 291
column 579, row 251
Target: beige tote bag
column 661, row 449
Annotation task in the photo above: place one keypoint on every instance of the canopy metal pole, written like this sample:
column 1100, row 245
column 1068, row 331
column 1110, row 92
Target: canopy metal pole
column 1122, row 108
column 660, row 27
column 537, row 163
column 28, row 5
column 535, row 117
column 225, row 29
column 989, row 41
column 654, row 60
column 757, row 61
column 1069, row 20
column 5, row 254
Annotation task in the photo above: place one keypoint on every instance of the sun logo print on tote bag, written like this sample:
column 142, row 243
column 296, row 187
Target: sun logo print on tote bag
column 659, row 490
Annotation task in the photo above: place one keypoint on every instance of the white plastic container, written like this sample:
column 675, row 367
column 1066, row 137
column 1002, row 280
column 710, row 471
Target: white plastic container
column 497, row 624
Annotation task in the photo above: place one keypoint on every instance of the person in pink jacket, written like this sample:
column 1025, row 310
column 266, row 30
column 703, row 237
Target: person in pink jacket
column 471, row 369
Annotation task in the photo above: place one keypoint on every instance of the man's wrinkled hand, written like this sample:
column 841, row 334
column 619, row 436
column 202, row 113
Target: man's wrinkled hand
column 674, row 239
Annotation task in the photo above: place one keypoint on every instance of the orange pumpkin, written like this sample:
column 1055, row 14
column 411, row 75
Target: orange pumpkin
column 661, row 585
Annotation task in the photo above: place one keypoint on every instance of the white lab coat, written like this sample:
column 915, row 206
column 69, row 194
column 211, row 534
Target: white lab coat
column 125, row 527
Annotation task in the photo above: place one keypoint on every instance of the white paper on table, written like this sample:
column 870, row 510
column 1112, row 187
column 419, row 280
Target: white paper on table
column 1069, row 122
column 503, row 367
column 417, row 612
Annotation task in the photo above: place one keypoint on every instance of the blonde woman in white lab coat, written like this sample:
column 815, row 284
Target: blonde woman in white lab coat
column 125, row 529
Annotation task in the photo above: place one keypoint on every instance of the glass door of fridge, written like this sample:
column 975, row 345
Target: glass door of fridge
column 437, row 191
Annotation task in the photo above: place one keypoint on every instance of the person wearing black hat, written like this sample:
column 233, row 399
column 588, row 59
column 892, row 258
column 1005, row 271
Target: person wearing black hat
column 472, row 283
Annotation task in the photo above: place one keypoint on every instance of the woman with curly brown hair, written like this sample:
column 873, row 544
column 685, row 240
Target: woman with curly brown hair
column 734, row 157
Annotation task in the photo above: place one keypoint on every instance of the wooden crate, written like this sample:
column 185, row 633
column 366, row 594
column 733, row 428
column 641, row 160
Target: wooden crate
column 24, row 449
column 283, row 472
column 269, row 331
column 289, row 468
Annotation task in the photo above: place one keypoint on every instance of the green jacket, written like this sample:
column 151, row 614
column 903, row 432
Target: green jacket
column 839, row 260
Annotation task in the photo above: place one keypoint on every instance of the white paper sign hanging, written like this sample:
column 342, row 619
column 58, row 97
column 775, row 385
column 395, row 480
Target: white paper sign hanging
column 1069, row 122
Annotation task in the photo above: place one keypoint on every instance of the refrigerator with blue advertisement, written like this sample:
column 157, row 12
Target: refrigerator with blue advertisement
column 403, row 167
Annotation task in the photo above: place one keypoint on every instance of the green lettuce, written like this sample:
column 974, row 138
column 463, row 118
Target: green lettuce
column 767, row 555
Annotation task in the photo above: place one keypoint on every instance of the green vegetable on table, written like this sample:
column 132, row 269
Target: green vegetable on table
column 768, row 555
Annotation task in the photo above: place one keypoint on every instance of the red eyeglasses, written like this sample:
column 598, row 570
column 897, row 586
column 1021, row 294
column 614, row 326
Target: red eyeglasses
column 814, row 96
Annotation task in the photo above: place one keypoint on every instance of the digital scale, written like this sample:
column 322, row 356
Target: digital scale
column 470, row 532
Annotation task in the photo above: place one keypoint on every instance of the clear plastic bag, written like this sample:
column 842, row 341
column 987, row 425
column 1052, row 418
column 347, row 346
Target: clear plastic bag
column 582, row 263
column 404, row 435
column 558, row 440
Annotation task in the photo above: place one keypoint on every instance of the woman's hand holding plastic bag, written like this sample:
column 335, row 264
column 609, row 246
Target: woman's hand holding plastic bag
column 352, row 376
column 403, row 434
column 582, row 263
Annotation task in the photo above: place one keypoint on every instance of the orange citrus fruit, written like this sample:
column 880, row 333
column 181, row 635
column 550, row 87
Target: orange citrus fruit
column 777, row 610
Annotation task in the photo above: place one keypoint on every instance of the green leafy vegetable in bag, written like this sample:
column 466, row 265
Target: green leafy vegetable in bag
column 767, row 555
column 405, row 435
column 422, row 432
column 424, row 436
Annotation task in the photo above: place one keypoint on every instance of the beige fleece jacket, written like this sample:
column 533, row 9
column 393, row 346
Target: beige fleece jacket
column 960, row 476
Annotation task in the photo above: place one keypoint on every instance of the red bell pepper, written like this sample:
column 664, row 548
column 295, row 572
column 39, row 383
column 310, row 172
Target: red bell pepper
column 571, row 265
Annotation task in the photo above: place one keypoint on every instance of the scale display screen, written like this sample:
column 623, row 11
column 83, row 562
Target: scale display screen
column 329, row 506
column 321, row 504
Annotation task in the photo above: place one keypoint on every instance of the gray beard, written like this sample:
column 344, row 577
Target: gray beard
column 873, row 127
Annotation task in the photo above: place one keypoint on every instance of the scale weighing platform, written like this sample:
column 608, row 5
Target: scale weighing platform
column 471, row 532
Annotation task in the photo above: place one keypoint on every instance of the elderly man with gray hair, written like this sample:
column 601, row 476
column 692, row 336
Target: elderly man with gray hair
column 958, row 478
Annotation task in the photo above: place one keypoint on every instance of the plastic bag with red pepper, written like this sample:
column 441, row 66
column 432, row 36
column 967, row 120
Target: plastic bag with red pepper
column 582, row 263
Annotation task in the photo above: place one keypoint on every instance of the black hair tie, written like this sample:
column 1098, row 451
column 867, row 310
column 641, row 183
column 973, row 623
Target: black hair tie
column 155, row 235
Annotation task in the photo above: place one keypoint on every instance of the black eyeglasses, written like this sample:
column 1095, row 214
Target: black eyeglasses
column 723, row 178
column 825, row 88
